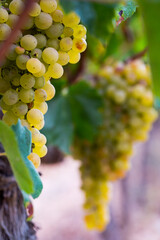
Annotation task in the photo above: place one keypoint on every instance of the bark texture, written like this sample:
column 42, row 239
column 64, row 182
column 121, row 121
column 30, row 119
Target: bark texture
column 13, row 225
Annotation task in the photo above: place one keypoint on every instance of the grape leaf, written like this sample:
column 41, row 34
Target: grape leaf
column 73, row 113
column 97, row 17
column 23, row 136
column 128, row 8
column 150, row 10
column 85, row 103
column 59, row 126
column 16, row 157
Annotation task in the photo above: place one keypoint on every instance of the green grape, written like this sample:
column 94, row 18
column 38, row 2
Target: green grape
column 21, row 61
column 41, row 73
column 4, row 85
column 48, row 6
column 40, row 95
column 16, row 6
column 66, row 44
column 26, row 95
column 8, row 72
column 43, row 21
column 16, row 80
column 50, row 90
column 68, row 31
column 27, row 81
column 56, row 70
column 35, row 159
column 11, row 54
column 9, row 118
column 50, row 55
column 29, row 24
column 37, row 53
column 12, row 19
column 42, row 106
column 39, row 82
column 71, row 20
column 4, row 106
column 36, row 10
column 28, row 42
column 57, row 16
column 34, row 116
column 40, row 151
column 63, row 58
column 3, row 15
column 41, row 40
column 20, row 109
column 4, row 31
column 10, row 97
column 54, row 43
column 34, row 65
column 55, row 30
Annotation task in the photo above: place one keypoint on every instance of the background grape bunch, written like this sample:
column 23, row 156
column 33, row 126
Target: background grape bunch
column 49, row 40
column 128, row 115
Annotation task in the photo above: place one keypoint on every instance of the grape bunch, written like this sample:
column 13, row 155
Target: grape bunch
column 128, row 115
column 49, row 40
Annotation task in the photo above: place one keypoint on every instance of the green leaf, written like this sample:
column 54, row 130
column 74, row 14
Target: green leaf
column 97, row 17
column 151, row 15
column 16, row 158
column 128, row 8
column 59, row 126
column 73, row 113
column 85, row 103
column 23, row 136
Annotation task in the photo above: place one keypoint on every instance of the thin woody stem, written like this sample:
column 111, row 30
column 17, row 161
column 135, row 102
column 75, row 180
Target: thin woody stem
column 3, row 154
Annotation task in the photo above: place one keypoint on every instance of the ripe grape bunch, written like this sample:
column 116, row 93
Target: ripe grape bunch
column 49, row 40
column 128, row 115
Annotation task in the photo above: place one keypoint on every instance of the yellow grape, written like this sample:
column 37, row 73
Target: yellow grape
column 34, row 116
column 79, row 44
column 34, row 65
column 56, row 70
column 40, row 151
column 35, row 159
column 50, row 90
column 74, row 56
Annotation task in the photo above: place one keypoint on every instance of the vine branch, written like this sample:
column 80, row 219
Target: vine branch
column 137, row 56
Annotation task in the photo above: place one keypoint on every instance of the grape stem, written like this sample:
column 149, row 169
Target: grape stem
column 3, row 154
column 137, row 56
column 19, row 24
column 73, row 78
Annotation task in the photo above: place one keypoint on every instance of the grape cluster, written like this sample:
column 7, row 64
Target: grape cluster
column 48, row 41
column 128, row 115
